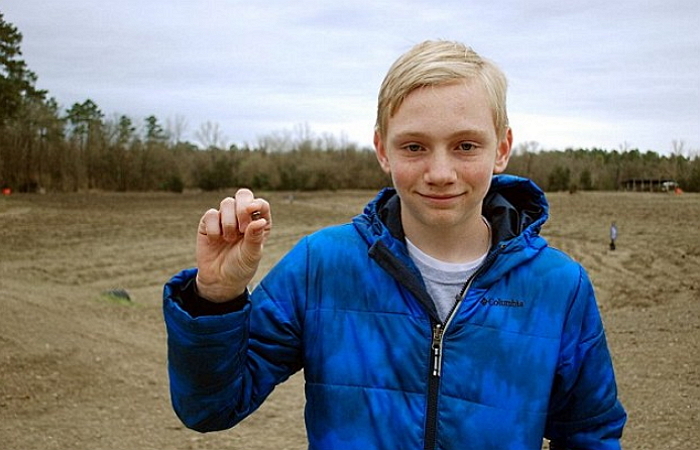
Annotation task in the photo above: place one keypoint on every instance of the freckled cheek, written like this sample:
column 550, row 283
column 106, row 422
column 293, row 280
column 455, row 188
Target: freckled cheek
column 406, row 173
column 474, row 172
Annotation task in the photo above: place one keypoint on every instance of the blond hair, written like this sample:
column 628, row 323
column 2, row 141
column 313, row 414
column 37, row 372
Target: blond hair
column 433, row 63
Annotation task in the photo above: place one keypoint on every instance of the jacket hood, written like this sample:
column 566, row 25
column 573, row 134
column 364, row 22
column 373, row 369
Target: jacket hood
column 515, row 207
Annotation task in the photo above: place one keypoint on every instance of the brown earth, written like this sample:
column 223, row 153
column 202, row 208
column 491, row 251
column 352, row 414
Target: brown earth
column 79, row 370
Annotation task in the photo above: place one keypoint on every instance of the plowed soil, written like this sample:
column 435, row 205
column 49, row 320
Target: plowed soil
column 83, row 370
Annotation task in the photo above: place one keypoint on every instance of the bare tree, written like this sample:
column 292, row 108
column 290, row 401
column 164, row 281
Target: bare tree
column 525, row 148
column 678, row 147
column 175, row 129
column 277, row 141
column 211, row 136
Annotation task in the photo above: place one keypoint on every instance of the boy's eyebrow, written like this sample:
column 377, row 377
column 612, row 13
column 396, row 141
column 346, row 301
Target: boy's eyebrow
column 473, row 133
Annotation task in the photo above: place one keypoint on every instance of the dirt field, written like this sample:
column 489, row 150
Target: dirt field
column 79, row 370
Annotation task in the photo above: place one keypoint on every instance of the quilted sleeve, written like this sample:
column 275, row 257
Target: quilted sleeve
column 584, row 411
column 220, row 372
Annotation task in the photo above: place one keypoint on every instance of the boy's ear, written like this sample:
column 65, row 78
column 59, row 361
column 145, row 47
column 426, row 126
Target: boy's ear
column 380, row 151
column 503, row 152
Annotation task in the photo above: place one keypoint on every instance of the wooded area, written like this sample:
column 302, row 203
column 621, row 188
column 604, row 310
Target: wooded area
column 45, row 148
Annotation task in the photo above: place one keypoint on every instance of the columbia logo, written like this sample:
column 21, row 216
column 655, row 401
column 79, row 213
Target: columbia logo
column 502, row 302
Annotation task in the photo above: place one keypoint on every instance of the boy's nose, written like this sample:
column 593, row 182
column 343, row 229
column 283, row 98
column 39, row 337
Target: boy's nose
column 441, row 169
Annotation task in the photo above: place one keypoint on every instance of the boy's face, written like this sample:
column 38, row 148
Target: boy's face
column 441, row 149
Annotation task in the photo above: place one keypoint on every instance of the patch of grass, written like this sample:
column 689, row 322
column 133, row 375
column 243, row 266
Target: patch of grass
column 118, row 297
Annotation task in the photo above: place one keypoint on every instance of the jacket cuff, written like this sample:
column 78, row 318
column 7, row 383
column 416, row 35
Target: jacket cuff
column 196, row 306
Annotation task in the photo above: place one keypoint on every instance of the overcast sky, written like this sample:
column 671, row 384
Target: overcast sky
column 585, row 73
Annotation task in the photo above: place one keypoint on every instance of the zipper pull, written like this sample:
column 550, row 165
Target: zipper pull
column 438, row 331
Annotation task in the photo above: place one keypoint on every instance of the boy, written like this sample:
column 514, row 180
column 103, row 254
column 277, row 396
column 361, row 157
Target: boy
column 438, row 318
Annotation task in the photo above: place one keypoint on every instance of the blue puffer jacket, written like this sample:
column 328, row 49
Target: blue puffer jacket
column 523, row 356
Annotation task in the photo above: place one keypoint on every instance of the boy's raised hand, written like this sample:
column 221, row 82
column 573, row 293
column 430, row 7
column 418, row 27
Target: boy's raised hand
column 230, row 245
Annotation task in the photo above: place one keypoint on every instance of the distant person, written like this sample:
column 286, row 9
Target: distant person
column 613, row 236
column 438, row 318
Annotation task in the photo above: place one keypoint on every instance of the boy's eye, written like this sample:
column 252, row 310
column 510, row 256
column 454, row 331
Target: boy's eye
column 466, row 146
column 413, row 147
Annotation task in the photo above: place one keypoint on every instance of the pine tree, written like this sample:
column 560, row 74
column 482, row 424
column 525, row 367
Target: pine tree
column 17, row 82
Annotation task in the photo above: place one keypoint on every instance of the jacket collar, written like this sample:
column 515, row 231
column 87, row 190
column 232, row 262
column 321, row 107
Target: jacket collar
column 513, row 206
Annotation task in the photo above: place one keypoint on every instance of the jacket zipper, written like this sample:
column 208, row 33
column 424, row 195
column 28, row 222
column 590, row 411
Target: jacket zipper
column 438, row 333
column 439, row 329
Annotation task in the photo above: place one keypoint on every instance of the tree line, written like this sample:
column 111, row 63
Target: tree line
column 46, row 148
column 600, row 169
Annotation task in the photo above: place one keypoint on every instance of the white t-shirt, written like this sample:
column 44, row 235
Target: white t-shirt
column 443, row 280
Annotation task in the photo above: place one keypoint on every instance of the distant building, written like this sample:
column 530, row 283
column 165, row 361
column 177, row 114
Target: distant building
column 649, row 185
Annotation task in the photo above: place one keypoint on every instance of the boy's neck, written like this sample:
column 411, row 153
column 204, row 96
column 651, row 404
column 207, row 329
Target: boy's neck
column 453, row 245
